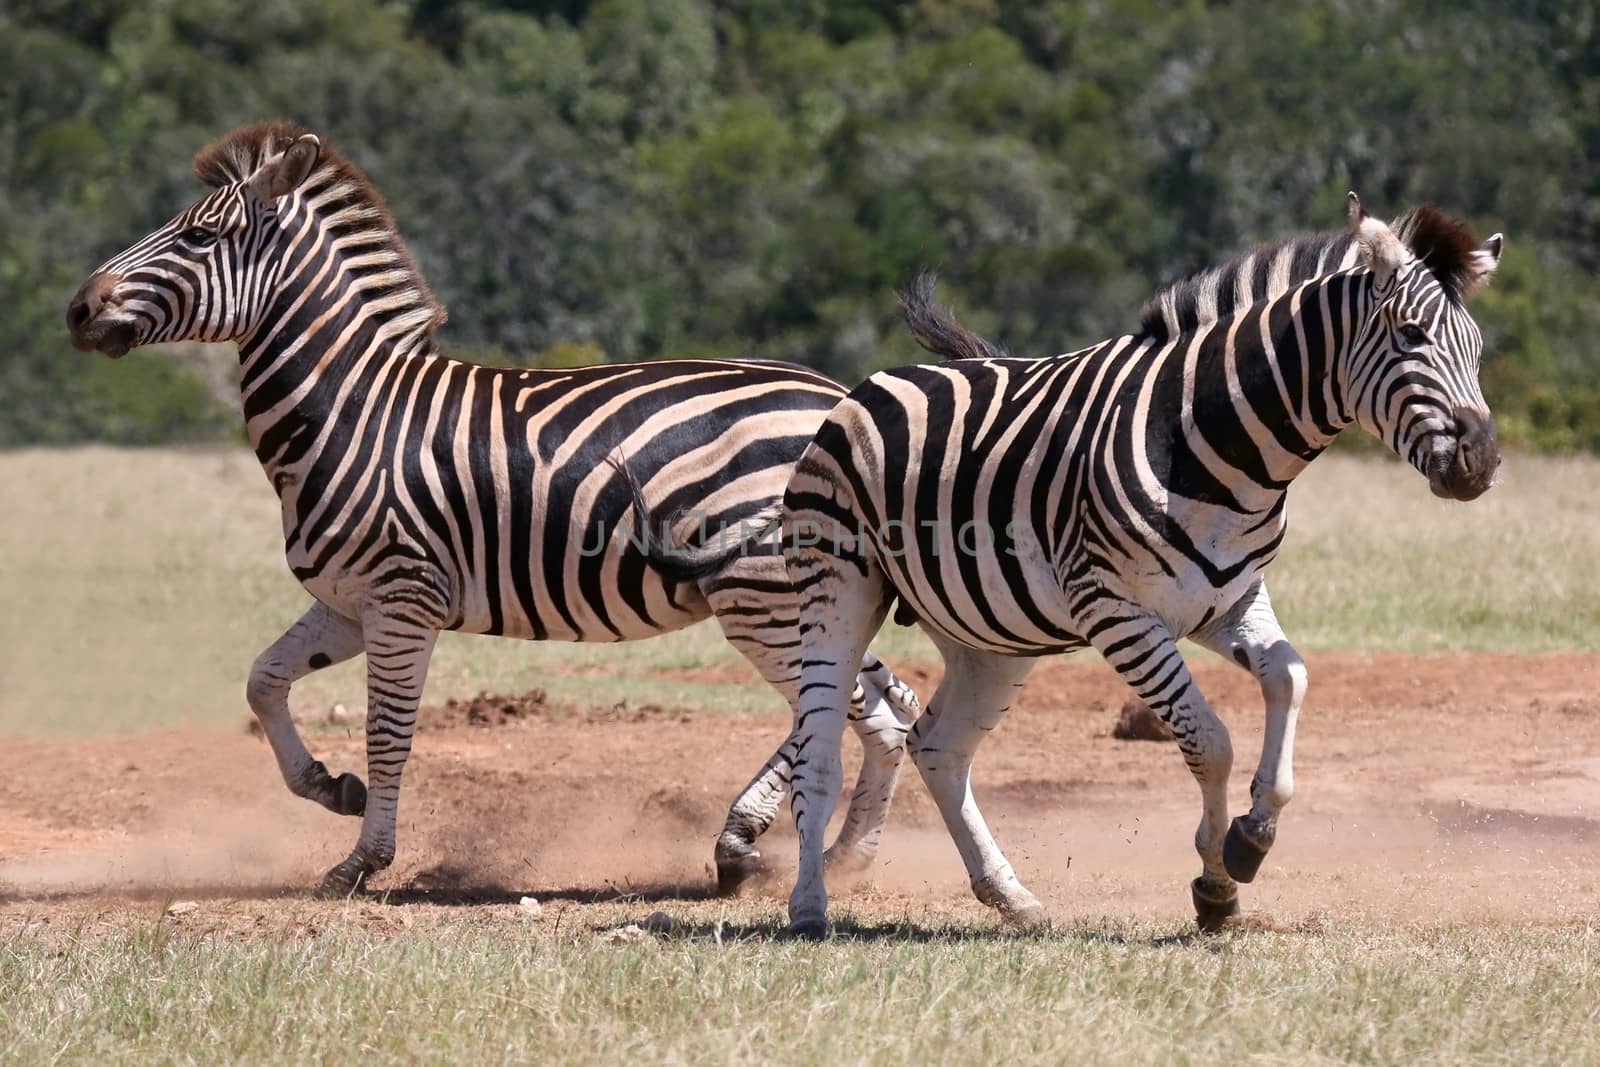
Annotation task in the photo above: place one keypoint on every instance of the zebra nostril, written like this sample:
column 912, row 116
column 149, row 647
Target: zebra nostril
column 78, row 314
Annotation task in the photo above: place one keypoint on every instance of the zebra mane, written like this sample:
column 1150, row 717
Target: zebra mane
column 343, row 197
column 1445, row 244
column 1447, row 247
column 1264, row 271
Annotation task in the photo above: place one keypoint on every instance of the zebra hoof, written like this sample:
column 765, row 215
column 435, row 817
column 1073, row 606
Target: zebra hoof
column 847, row 863
column 811, row 928
column 1027, row 917
column 350, row 795
column 1017, row 906
column 735, row 869
column 341, row 882
column 1242, row 851
column 1213, row 913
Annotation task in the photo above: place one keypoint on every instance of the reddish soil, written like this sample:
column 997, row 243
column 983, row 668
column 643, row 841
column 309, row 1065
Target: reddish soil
column 1460, row 787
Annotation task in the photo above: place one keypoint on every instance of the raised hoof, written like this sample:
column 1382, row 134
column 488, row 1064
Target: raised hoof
column 341, row 882
column 1242, row 852
column 814, row 928
column 733, row 871
column 1211, row 913
column 350, row 795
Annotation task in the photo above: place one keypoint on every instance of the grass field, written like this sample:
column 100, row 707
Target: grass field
column 139, row 586
column 503, row 990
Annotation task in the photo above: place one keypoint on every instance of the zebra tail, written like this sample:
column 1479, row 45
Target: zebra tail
column 680, row 562
column 936, row 329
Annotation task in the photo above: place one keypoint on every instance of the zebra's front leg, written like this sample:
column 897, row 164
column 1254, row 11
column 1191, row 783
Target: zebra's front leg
column 1250, row 636
column 977, row 691
column 398, row 652
column 319, row 639
column 1141, row 649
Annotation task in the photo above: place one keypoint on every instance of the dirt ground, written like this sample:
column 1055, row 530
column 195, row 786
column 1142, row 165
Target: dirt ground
column 1429, row 788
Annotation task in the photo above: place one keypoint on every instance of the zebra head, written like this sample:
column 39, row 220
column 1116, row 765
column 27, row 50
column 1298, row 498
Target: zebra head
column 1413, row 370
column 210, row 273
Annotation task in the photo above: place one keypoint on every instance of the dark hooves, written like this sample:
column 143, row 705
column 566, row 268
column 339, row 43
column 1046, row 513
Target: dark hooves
column 1213, row 913
column 734, row 870
column 809, row 929
column 350, row 795
column 341, row 882
column 1242, row 851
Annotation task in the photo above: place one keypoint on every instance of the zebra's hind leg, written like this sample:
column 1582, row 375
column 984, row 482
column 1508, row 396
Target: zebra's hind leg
column 764, row 627
column 977, row 690
column 882, row 711
column 1249, row 635
column 319, row 639
column 844, row 600
column 1141, row 649
column 399, row 648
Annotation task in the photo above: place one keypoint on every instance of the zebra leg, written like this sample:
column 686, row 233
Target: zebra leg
column 1141, row 649
column 1249, row 635
column 977, row 691
column 761, row 622
column 764, row 631
column 319, row 639
column 845, row 600
column 882, row 710
column 398, row 651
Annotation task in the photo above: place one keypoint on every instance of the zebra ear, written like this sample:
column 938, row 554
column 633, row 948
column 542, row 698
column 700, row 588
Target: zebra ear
column 1381, row 251
column 283, row 174
column 1483, row 263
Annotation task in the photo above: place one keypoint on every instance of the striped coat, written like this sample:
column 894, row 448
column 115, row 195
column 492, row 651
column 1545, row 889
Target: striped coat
column 1122, row 497
column 421, row 493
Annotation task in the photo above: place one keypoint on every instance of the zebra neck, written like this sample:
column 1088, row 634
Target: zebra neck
column 317, row 359
column 1275, row 379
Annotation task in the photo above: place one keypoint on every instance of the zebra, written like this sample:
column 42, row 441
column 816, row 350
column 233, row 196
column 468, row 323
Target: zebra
column 421, row 493
column 1119, row 498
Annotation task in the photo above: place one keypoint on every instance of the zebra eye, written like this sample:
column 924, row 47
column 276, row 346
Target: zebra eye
column 1413, row 335
column 198, row 236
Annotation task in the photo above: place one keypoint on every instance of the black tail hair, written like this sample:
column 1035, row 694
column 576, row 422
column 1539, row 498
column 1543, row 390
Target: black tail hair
column 677, row 562
column 936, row 329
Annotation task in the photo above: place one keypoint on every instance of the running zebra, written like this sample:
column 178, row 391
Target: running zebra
column 1120, row 498
column 422, row 494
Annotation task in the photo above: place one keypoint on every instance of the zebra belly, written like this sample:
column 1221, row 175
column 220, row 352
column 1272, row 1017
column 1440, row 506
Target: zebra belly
column 1014, row 606
column 499, row 599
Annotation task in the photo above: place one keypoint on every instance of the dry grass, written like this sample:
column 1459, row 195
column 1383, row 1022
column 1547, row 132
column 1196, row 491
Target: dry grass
column 139, row 585
column 414, row 985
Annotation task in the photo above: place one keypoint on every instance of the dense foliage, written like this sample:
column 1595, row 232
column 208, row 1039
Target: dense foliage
column 645, row 178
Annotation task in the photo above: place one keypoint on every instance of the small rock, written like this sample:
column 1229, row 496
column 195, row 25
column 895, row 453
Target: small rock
column 531, row 907
column 659, row 922
column 1139, row 723
column 625, row 935
column 182, row 907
